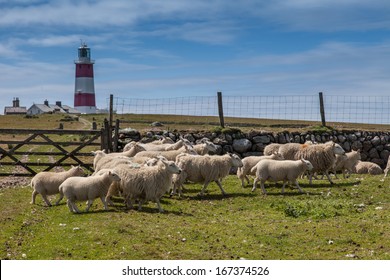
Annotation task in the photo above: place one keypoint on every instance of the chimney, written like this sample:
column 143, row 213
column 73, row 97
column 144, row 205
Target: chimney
column 58, row 103
column 46, row 102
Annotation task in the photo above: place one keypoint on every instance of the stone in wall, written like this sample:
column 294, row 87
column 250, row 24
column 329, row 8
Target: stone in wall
column 242, row 145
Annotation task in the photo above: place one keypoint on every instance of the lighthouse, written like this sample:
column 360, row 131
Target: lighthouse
column 84, row 94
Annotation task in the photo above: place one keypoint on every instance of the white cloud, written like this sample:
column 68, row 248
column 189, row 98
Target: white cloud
column 326, row 16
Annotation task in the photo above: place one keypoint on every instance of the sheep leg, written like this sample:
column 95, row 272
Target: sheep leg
column 33, row 196
column 255, row 184
column 327, row 175
column 262, row 187
column 159, row 206
column 111, row 191
column 310, row 178
column 89, row 204
column 296, row 184
column 140, row 202
column 103, row 199
column 284, row 184
column 220, row 186
column 242, row 181
column 175, row 187
column 60, row 198
column 108, row 200
column 45, row 199
column 247, row 179
column 204, row 188
column 128, row 203
column 72, row 206
column 180, row 190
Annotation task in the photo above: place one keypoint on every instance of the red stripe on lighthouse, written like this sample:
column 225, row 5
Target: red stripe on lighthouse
column 84, row 70
column 84, row 99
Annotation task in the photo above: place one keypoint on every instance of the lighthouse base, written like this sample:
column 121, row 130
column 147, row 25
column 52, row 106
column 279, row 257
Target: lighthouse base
column 86, row 109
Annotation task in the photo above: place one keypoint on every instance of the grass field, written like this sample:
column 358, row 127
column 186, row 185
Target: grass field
column 349, row 220
column 174, row 122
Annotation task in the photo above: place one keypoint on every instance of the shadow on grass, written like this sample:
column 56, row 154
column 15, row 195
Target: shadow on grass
column 219, row 196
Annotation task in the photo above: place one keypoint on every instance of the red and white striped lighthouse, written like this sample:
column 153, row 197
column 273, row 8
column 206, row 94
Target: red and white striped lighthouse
column 84, row 96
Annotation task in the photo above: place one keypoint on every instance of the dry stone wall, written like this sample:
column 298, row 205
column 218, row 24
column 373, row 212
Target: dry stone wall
column 374, row 146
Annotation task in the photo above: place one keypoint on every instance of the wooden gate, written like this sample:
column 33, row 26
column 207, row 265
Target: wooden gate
column 25, row 152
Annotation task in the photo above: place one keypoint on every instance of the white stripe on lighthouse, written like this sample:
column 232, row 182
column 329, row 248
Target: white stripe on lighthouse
column 84, row 85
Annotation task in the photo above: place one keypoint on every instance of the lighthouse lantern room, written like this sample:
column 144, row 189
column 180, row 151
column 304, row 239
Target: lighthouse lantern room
column 84, row 96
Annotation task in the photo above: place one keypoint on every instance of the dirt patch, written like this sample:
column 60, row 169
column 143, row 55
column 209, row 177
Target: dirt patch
column 14, row 182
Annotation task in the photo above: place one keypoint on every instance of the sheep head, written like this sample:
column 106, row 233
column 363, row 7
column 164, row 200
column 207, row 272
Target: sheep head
column 308, row 164
column 236, row 161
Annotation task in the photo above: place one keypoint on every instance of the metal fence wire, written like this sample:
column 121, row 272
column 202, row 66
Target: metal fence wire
column 337, row 108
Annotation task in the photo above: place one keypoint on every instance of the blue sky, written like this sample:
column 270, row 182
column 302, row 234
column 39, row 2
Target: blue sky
column 170, row 48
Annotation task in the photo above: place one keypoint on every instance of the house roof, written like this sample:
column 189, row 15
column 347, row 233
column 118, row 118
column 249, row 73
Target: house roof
column 70, row 110
column 42, row 107
column 55, row 108
column 14, row 110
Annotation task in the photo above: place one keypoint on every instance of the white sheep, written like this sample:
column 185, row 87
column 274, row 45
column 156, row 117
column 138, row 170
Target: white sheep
column 128, row 153
column 87, row 189
column 162, row 140
column 47, row 183
column 136, row 148
column 148, row 183
column 367, row 167
column 271, row 149
column 109, row 162
column 169, row 155
column 321, row 156
column 387, row 168
column 166, row 147
column 285, row 170
column 287, row 151
column 204, row 169
column 346, row 163
column 204, row 147
column 250, row 162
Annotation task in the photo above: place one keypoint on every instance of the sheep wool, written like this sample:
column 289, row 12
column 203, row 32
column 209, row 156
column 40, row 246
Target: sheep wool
column 321, row 156
column 271, row 148
column 148, row 183
column 284, row 170
column 108, row 162
column 250, row 162
column 204, row 169
column 87, row 189
column 367, row 167
column 169, row 155
column 346, row 163
column 387, row 168
column 48, row 183
column 204, row 147
column 166, row 147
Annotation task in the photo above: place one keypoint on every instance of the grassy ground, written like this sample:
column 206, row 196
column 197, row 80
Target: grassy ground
column 349, row 220
column 174, row 122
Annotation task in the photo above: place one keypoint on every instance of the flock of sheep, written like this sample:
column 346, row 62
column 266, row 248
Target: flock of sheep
column 146, row 172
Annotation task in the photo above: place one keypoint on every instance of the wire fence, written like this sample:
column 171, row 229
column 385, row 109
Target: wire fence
column 348, row 109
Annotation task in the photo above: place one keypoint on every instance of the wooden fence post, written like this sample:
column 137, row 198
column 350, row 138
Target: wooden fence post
column 111, row 109
column 116, row 136
column 322, row 109
column 220, row 109
column 108, row 132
